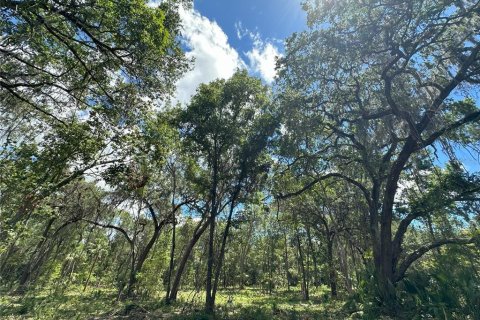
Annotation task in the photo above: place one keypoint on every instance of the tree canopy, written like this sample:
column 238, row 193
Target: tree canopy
column 379, row 86
column 341, row 191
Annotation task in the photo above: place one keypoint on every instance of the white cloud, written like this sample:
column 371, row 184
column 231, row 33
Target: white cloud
column 241, row 31
column 208, row 45
column 262, row 60
column 214, row 57
column 262, row 55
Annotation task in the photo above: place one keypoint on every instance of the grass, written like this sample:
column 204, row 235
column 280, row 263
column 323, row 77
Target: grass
column 253, row 303
column 72, row 304
column 249, row 303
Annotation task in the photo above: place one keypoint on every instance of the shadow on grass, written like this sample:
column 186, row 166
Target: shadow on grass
column 255, row 304
column 51, row 305
column 245, row 304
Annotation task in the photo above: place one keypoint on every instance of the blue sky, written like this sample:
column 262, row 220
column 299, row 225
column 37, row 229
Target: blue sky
column 224, row 35
column 272, row 19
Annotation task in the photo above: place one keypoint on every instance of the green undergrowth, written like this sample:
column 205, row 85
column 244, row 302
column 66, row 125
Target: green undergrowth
column 243, row 304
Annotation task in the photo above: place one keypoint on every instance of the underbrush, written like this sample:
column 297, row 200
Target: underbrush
column 244, row 304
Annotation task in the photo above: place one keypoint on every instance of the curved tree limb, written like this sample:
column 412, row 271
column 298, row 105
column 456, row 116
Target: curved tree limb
column 110, row 226
column 417, row 254
column 324, row 177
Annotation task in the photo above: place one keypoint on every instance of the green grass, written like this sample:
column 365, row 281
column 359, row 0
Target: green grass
column 72, row 304
column 250, row 303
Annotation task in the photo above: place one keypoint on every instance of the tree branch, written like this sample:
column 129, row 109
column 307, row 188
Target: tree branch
column 110, row 226
column 324, row 177
column 471, row 117
column 417, row 254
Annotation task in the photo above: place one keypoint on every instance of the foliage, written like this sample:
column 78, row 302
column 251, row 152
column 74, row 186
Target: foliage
column 338, row 193
column 377, row 86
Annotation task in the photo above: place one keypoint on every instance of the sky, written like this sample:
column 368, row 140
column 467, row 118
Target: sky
column 224, row 35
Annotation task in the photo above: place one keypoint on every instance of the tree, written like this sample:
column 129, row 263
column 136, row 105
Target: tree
column 376, row 87
column 60, row 57
column 150, row 180
column 75, row 79
column 226, row 128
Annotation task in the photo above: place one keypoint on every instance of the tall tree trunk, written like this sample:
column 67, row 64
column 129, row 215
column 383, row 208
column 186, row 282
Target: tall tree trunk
column 244, row 255
column 199, row 230
column 381, row 237
column 36, row 258
column 287, row 273
column 316, row 281
column 388, row 254
column 222, row 251
column 209, row 300
column 305, row 293
column 224, row 278
column 172, row 249
column 331, row 267
column 137, row 267
column 270, row 267
column 344, row 265
column 97, row 255
column 132, row 277
column 170, row 267
column 354, row 262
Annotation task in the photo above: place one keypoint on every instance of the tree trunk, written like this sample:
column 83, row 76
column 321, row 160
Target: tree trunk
column 344, row 266
column 386, row 257
column 316, row 281
column 270, row 267
column 136, row 268
column 302, row 269
column 331, row 267
column 97, row 255
column 132, row 277
column 174, row 226
column 209, row 300
column 287, row 273
column 170, row 267
column 222, row 251
column 200, row 229
column 244, row 255
column 36, row 259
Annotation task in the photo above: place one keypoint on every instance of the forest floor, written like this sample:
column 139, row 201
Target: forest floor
column 243, row 304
